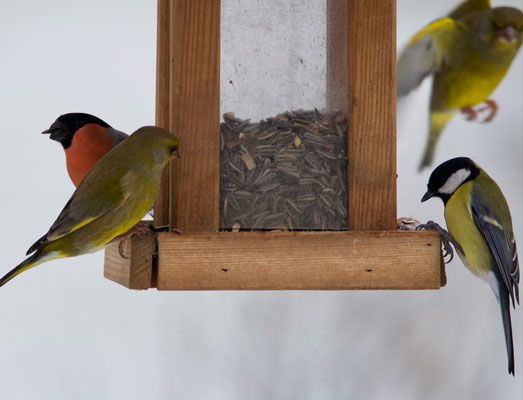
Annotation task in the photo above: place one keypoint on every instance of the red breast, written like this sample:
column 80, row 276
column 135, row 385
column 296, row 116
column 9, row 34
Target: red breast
column 89, row 144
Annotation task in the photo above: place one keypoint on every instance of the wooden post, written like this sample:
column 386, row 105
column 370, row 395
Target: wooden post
column 371, row 114
column 163, row 64
column 195, row 108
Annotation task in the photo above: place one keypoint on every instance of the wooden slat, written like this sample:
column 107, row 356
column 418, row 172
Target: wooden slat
column 195, row 109
column 372, row 114
column 135, row 271
column 337, row 55
column 300, row 260
column 161, row 207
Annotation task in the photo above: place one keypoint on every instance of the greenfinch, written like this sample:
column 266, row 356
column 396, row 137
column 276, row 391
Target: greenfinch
column 478, row 219
column 468, row 52
column 85, row 139
column 112, row 198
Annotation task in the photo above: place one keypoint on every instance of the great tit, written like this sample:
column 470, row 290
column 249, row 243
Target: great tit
column 478, row 218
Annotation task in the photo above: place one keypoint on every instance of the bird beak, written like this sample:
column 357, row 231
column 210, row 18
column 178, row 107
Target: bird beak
column 56, row 132
column 508, row 34
column 427, row 196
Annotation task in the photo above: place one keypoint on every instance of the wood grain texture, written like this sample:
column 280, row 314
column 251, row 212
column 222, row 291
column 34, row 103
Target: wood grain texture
column 195, row 108
column 163, row 62
column 372, row 114
column 337, row 45
column 135, row 271
column 299, row 260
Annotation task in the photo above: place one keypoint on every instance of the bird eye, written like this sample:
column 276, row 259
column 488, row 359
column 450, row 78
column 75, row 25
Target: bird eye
column 172, row 149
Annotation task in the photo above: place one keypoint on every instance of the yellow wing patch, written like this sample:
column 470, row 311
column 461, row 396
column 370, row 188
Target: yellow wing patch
column 442, row 33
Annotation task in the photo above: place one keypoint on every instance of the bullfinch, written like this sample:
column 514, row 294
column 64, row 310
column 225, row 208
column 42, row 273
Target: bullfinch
column 85, row 139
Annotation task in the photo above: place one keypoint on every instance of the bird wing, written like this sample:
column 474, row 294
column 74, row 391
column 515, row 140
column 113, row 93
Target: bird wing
column 498, row 234
column 117, row 135
column 467, row 7
column 426, row 51
column 90, row 201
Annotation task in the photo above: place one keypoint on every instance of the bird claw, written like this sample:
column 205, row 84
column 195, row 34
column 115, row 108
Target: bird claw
column 472, row 114
column 446, row 239
column 141, row 228
column 164, row 228
column 161, row 228
column 493, row 107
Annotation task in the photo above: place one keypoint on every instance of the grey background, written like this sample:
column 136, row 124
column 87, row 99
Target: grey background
column 66, row 332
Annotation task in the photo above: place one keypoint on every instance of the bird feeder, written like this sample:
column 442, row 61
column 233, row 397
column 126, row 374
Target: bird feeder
column 359, row 247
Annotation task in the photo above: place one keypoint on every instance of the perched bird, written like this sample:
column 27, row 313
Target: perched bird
column 478, row 218
column 85, row 139
column 112, row 198
column 468, row 52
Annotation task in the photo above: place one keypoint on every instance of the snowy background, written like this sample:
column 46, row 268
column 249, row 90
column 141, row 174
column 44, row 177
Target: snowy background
column 66, row 332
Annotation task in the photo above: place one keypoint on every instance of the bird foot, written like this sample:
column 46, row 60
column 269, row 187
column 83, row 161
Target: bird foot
column 472, row 114
column 141, row 228
column 446, row 239
column 165, row 228
column 493, row 107
column 160, row 228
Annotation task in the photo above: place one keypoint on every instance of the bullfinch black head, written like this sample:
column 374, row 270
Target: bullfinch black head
column 63, row 129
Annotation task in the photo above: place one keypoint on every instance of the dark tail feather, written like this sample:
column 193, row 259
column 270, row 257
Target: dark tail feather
column 438, row 121
column 428, row 154
column 23, row 266
column 36, row 245
column 504, row 302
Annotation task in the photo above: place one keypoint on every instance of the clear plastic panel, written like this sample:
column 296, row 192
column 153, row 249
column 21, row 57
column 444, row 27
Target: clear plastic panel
column 283, row 154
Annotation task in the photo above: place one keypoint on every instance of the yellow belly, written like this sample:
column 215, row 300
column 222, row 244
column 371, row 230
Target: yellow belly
column 477, row 255
column 455, row 87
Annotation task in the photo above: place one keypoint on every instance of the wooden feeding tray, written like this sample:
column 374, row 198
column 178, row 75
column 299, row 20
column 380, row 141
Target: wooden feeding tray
column 372, row 254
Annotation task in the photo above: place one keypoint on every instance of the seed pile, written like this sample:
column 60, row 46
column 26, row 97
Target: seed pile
column 284, row 172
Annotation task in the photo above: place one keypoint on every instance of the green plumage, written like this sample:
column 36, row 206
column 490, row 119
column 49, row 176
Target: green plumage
column 112, row 198
column 469, row 52
column 463, row 228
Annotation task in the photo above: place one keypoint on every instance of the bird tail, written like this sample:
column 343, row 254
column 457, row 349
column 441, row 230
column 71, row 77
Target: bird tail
column 504, row 302
column 438, row 121
column 37, row 258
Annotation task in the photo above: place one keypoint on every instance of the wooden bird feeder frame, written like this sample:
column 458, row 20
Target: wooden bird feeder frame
column 371, row 255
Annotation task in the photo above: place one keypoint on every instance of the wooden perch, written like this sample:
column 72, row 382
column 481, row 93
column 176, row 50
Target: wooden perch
column 136, row 271
column 282, row 260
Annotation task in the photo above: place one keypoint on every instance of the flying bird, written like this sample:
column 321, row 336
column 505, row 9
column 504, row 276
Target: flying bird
column 468, row 53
